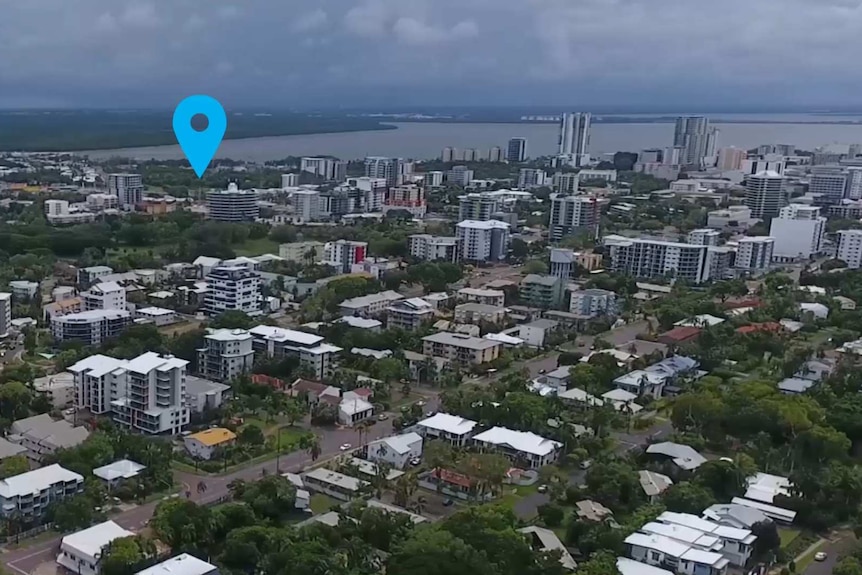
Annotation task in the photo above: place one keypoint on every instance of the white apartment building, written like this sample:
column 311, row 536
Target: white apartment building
column 29, row 494
column 571, row 215
column 433, row 179
column 23, row 289
column 529, row 178
column 342, row 254
column 320, row 358
column 575, row 138
column 704, row 237
column 306, row 205
column 754, row 254
column 227, row 354
column 849, row 248
column 107, row 295
column 232, row 205
column 460, row 349
column 42, row 436
column 5, row 313
column 289, row 181
column 86, row 276
column 327, row 168
column 409, row 314
column 591, row 303
column 393, row 170
column 146, row 394
column 483, row 241
column 232, row 288
column 829, row 182
column 478, row 206
column 764, row 193
column 407, row 197
column 520, row 447
column 434, row 248
column 369, row 305
column 854, row 183
column 129, row 189
column 798, row 232
column 56, row 208
column 730, row 159
column 90, row 327
column 452, row 429
column 493, row 297
column 651, row 259
column 183, row 564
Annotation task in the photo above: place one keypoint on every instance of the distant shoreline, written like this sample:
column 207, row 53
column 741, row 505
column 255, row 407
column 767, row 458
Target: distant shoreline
column 612, row 120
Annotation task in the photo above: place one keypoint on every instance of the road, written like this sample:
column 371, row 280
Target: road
column 835, row 550
column 24, row 561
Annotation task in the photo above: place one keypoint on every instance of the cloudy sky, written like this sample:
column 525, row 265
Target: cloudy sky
column 301, row 53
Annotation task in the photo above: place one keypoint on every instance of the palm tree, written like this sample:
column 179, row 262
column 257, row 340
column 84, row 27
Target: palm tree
column 405, row 487
column 381, row 477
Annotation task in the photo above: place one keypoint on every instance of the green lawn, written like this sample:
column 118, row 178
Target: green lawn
column 289, row 437
column 256, row 247
column 321, row 503
column 787, row 535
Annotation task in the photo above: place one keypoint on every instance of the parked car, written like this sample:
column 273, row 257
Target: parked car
column 415, row 461
column 542, row 489
column 383, row 416
column 448, row 502
column 345, row 446
column 820, row 556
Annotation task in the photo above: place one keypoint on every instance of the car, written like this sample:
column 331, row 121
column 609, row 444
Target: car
column 543, row 371
column 345, row 446
column 430, row 413
column 421, row 403
column 585, row 464
column 542, row 489
column 448, row 502
column 820, row 556
column 383, row 417
column 415, row 461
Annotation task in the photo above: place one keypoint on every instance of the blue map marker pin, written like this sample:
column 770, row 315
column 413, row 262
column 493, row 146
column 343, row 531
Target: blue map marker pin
column 199, row 146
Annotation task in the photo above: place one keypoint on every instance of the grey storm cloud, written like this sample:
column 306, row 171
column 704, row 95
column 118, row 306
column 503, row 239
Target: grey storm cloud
column 127, row 53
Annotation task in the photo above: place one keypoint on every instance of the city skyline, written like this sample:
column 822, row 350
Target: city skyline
column 388, row 52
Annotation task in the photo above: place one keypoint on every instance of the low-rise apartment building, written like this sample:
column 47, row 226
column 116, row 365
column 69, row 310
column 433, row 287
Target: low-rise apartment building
column 43, row 436
column 369, row 305
column 590, row 303
column 29, row 494
column 521, row 447
column 435, row 248
column 409, row 314
column 452, row 429
column 461, row 349
column 81, row 552
column 90, row 327
column 318, row 357
column 474, row 313
column 492, row 297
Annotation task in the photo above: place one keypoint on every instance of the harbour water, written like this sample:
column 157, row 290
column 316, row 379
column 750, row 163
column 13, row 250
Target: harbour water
column 426, row 140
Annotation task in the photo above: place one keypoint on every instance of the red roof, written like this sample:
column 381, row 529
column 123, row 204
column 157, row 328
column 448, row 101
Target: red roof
column 261, row 379
column 306, row 385
column 737, row 303
column 681, row 333
column 769, row 326
column 363, row 392
column 452, row 477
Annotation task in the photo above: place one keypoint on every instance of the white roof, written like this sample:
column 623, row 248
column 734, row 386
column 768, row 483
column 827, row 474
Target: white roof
column 705, row 558
column 449, row 423
column 206, row 261
column 619, row 395
column 483, row 225
column 503, row 338
column 107, row 287
column 768, row 510
column 764, row 487
column 156, row 311
column 482, row 292
column 92, row 540
column 682, row 533
column 550, row 541
column 123, row 468
column 523, row 441
column 684, row 456
column 229, row 335
column 659, row 543
column 149, row 361
column 335, row 478
column 97, row 365
column 401, row 443
column 354, row 406
column 92, row 315
column 705, row 526
column 285, row 335
column 360, row 322
column 183, row 564
column 370, row 468
column 578, row 394
column 367, row 300
column 628, row 566
column 703, row 320
column 375, row 504
column 32, row 482
column 653, row 483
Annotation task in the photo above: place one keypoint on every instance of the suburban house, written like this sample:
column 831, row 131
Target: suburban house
column 449, row 428
column 673, row 555
column 736, row 544
column 520, row 446
column 453, row 484
column 80, row 552
column 182, row 564
column 684, row 457
column 653, row 380
column 353, row 409
column 542, row 539
column 557, row 379
column 333, row 483
column 735, row 515
column 397, row 450
column 653, row 484
column 204, row 444
column 589, row 510
column 115, row 473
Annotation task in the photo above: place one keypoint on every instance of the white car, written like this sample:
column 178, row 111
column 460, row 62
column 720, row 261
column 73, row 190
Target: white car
column 345, row 446
column 820, row 556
